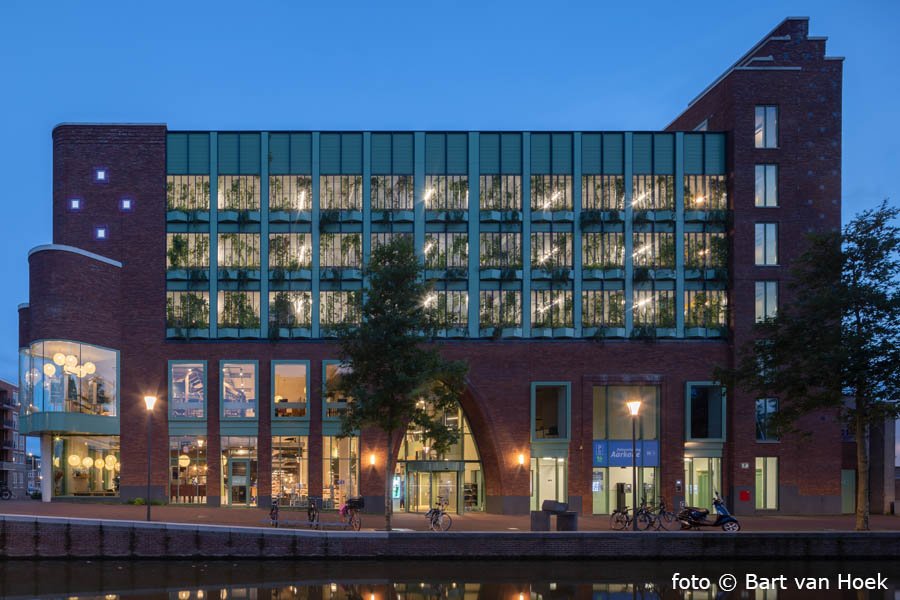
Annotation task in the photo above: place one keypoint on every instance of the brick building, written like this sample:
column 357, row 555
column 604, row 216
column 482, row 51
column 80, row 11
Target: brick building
column 12, row 444
column 575, row 271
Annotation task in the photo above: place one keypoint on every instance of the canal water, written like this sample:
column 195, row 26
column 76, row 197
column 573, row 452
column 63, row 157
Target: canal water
column 450, row 580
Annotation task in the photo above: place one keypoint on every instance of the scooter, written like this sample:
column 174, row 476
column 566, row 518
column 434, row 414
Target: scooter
column 692, row 517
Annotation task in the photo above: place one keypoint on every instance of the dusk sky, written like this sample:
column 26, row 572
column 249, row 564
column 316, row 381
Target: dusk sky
column 401, row 65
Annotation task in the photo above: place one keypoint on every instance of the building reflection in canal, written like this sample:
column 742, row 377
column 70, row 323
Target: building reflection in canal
column 435, row 580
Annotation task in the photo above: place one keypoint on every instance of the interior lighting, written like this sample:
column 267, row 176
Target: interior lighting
column 521, row 463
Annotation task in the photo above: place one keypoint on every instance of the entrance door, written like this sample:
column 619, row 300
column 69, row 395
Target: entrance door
column 548, row 481
column 419, row 491
column 444, row 484
column 703, row 477
column 238, row 482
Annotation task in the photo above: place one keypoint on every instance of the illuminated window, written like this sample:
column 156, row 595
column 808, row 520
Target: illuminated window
column 705, row 308
column 340, row 470
column 501, row 250
column 188, row 466
column 446, row 250
column 239, row 390
column 653, row 250
column 238, row 251
column 238, row 310
column 290, row 192
column 551, row 192
column 290, row 251
column 391, row 192
column 446, row 192
column 238, row 192
column 654, row 308
column 603, row 250
column 290, row 309
column 187, row 310
column 290, row 389
column 340, row 250
column 187, row 250
column 603, row 192
column 653, row 192
column 187, row 389
column 705, row 192
column 705, row 251
column 340, row 192
column 551, row 250
column 603, row 308
column 337, row 308
column 767, row 483
column 187, row 192
column 551, row 308
column 500, row 308
column 450, row 307
column 500, row 192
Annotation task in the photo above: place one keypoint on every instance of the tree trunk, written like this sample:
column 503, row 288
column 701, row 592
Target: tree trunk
column 388, row 477
column 862, row 468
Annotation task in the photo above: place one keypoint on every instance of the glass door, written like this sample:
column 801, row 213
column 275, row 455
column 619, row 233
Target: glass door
column 444, row 484
column 703, row 477
column 238, row 481
column 419, row 491
column 548, row 481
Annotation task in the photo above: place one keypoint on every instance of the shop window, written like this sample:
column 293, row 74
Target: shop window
column 705, row 406
column 86, row 465
column 767, row 483
column 336, row 401
column 240, row 470
column 550, row 411
column 766, row 305
column 187, row 389
column 765, row 132
column 340, row 470
column 61, row 376
column 765, row 410
column 290, row 470
column 766, row 186
column 188, row 468
column 290, row 389
column 766, row 244
column 239, row 390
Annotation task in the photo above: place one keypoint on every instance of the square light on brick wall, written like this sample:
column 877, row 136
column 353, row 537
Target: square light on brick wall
column 101, row 175
column 74, row 204
column 101, row 233
column 126, row 204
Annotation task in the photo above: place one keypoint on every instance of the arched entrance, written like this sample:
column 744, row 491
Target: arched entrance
column 422, row 475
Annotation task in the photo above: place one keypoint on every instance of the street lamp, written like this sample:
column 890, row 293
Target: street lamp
column 149, row 401
column 634, row 407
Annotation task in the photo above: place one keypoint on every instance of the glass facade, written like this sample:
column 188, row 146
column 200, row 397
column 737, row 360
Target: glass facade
column 290, row 390
column 290, row 470
column 188, row 467
column 612, row 476
column 340, row 470
column 239, row 390
column 239, row 481
column 187, row 390
column 63, row 376
column 86, row 465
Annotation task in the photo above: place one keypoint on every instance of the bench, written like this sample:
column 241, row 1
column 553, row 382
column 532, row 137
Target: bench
column 566, row 520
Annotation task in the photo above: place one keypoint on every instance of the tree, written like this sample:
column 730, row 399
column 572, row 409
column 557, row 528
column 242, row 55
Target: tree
column 392, row 369
column 836, row 345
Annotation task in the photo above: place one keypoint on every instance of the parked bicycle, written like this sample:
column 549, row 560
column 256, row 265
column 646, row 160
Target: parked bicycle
column 6, row 493
column 350, row 513
column 437, row 517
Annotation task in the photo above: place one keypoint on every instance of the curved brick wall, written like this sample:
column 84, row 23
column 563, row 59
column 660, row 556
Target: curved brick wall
column 72, row 297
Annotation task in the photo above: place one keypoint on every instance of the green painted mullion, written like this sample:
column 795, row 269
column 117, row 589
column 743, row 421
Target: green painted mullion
column 316, row 201
column 526, row 234
column 419, row 192
column 366, row 197
column 629, row 229
column 213, row 234
column 679, row 235
column 576, row 233
column 474, row 240
column 264, row 234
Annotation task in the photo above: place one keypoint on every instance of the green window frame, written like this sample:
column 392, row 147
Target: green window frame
column 229, row 362
column 688, row 430
column 560, row 436
column 205, row 366
column 289, row 405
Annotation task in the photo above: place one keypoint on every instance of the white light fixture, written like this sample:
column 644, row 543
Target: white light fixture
column 372, row 459
column 49, row 370
column 521, row 459
column 74, row 460
column 149, row 401
column 87, row 462
column 634, row 407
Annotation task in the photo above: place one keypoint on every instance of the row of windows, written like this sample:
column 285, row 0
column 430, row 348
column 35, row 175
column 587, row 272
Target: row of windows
column 294, row 193
column 550, row 250
column 497, row 308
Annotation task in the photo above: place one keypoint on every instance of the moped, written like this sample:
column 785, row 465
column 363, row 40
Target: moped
column 692, row 517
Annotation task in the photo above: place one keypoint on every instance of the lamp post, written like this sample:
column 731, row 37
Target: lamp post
column 634, row 407
column 149, row 401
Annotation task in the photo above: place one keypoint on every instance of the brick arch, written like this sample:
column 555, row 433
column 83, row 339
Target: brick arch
column 488, row 452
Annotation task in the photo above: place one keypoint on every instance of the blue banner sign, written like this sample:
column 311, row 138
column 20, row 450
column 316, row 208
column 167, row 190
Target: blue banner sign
column 617, row 453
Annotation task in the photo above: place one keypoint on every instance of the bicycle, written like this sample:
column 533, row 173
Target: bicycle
column 438, row 519
column 312, row 514
column 350, row 513
column 622, row 519
column 663, row 516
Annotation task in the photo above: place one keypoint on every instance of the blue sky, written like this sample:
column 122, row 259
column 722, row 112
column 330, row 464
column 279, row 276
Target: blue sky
column 404, row 65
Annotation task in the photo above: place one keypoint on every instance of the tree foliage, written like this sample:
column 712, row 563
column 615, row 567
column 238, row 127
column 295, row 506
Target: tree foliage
column 391, row 368
column 836, row 343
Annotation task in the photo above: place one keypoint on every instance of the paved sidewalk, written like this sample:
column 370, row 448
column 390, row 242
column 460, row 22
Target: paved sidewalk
column 468, row 522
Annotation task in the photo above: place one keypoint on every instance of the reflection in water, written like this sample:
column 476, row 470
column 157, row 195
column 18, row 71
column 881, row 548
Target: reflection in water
column 434, row 580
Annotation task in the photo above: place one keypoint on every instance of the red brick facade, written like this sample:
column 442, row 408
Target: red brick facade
column 77, row 297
